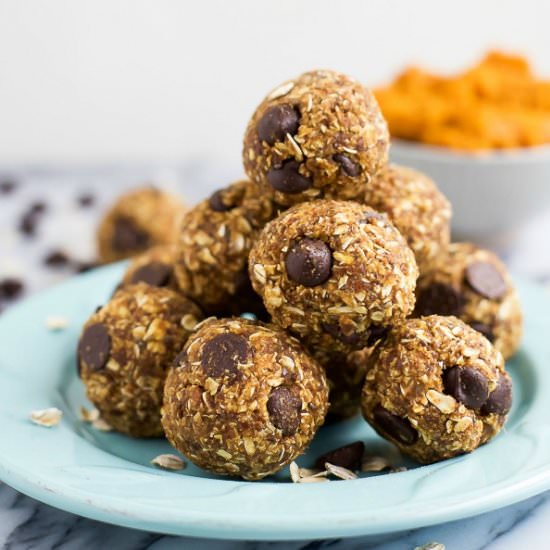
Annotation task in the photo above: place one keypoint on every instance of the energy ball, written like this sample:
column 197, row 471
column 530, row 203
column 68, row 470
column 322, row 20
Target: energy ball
column 333, row 273
column 436, row 388
column 154, row 267
column 214, row 243
column 321, row 135
column 416, row 207
column 243, row 399
column 474, row 285
column 125, row 350
column 138, row 220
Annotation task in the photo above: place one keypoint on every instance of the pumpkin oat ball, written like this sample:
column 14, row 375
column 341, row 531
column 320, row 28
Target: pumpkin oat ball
column 243, row 398
column 416, row 207
column 214, row 242
column 321, row 135
column 436, row 388
column 333, row 273
column 139, row 220
column 474, row 285
column 125, row 350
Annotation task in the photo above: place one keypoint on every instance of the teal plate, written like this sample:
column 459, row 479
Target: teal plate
column 108, row 477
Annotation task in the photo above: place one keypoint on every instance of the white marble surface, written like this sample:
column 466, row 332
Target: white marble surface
column 26, row 523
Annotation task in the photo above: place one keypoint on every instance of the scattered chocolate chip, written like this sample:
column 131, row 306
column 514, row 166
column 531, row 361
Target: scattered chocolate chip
column 219, row 203
column 467, row 385
column 128, row 237
column 395, row 426
column 500, row 399
column 277, row 122
column 287, row 178
column 309, row 262
column 56, row 258
column 27, row 224
column 346, row 336
column 38, row 207
column 154, row 274
column 284, row 410
column 484, row 329
column 376, row 333
column 439, row 299
column 11, row 288
column 222, row 355
column 94, row 346
column 348, row 456
column 7, row 186
column 85, row 200
column 82, row 267
column 486, row 280
column 351, row 168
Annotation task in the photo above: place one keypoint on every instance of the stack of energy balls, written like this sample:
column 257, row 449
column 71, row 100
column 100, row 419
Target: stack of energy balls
column 293, row 295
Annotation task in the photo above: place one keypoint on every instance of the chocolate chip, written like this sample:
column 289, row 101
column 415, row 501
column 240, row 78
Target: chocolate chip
column 309, row 262
column 486, row 280
column 222, row 355
column 467, row 385
column 11, row 288
column 287, row 178
column 277, row 122
column 85, row 200
column 38, row 207
column 348, row 456
column 219, row 203
column 484, row 329
column 439, row 299
column 154, row 274
column 284, row 410
column 127, row 237
column 351, row 168
column 27, row 224
column 94, row 346
column 500, row 399
column 56, row 258
column 395, row 426
column 82, row 267
column 7, row 186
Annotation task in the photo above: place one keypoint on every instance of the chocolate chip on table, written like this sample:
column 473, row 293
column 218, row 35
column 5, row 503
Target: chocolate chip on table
column 127, row 237
column 284, row 410
column 309, row 262
column 94, row 346
column 351, row 168
column 486, row 280
column 27, row 224
column 348, row 456
column 484, row 329
column 395, row 426
column 467, row 385
column 85, row 200
column 439, row 299
column 153, row 273
column 82, row 267
column 500, row 399
column 7, row 186
column 277, row 122
column 217, row 202
column 38, row 207
column 56, row 258
column 11, row 288
column 287, row 178
column 222, row 355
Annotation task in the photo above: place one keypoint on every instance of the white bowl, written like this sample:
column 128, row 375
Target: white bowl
column 493, row 194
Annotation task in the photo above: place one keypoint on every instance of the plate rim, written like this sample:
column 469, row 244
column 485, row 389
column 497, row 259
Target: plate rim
column 119, row 511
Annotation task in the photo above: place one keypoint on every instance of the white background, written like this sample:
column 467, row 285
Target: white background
column 168, row 80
